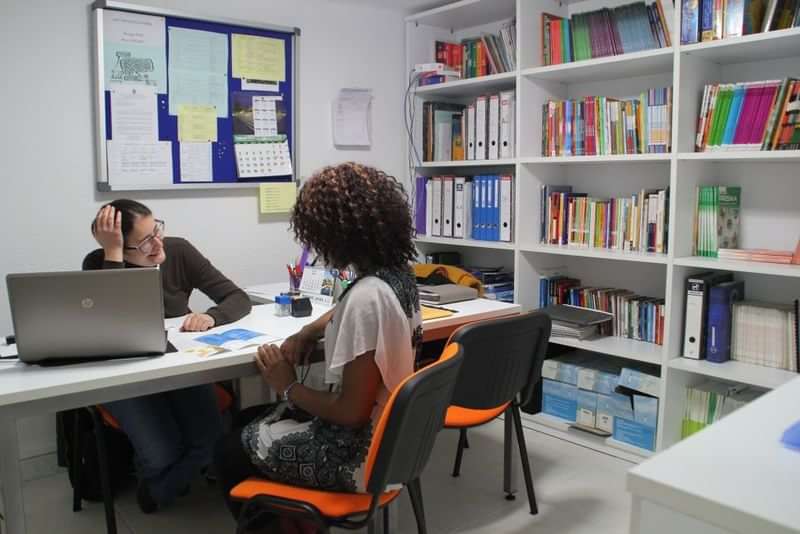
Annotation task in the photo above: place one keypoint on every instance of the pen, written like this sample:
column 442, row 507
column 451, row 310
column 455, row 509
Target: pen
column 440, row 308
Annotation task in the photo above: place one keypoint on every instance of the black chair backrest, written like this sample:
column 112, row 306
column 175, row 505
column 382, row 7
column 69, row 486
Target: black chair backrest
column 414, row 417
column 502, row 357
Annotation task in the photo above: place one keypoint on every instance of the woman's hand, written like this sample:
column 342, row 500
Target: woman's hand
column 197, row 322
column 108, row 233
column 275, row 370
column 297, row 347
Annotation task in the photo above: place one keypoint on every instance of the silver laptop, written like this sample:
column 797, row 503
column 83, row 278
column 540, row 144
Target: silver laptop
column 87, row 314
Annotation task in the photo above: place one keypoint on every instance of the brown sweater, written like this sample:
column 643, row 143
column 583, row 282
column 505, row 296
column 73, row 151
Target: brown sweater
column 185, row 270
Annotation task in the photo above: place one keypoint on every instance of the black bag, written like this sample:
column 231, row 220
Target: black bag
column 75, row 433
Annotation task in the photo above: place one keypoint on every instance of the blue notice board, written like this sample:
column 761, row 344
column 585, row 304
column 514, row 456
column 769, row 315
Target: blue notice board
column 158, row 68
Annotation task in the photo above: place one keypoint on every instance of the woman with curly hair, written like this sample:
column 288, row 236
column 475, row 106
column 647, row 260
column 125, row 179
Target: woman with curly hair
column 356, row 217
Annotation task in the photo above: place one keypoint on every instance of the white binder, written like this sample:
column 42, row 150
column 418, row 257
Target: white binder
column 429, row 206
column 470, row 131
column 462, row 207
column 480, row 127
column 436, row 224
column 506, row 207
column 507, row 124
column 493, row 134
column 447, row 206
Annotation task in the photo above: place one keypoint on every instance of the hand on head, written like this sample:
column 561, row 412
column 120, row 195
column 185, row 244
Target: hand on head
column 107, row 230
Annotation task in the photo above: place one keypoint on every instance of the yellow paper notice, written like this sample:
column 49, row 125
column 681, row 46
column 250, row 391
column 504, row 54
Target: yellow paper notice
column 197, row 124
column 277, row 197
column 258, row 58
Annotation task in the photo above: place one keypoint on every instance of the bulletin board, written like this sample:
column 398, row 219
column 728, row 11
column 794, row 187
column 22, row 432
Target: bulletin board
column 185, row 102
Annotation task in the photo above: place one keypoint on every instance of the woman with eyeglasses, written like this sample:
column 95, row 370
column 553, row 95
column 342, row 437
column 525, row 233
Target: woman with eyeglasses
column 173, row 433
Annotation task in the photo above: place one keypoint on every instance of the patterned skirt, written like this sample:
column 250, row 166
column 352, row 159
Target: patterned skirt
column 291, row 447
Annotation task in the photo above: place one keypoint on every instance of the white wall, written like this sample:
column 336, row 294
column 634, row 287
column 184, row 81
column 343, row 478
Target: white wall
column 47, row 179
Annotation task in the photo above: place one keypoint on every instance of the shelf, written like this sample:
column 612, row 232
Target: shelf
column 465, row 14
column 470, row 87
column 774, row 269
column 629, row 349
column 759, row 46
column 599, row 253
column 744, row 373
column 777, row 156
column 500, row 245
column 606, row 68
column 468, row 163
column 620, row 158
column 558, row 428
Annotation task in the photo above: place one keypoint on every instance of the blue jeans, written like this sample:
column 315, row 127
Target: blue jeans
column 173, row 435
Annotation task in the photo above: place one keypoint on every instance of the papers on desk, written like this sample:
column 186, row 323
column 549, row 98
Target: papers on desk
column 236, row 339
column 9, row 352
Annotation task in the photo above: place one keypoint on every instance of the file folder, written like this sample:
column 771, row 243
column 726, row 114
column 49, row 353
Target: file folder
column 507, row 124
column 470, row 131
column 447, row 206
column 494, row 127
column 506, row 207
column 462, row 207
column 437, row 207
column 481, row 111
column 428, row 207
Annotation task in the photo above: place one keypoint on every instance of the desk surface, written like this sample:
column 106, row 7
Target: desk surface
column 734, row 474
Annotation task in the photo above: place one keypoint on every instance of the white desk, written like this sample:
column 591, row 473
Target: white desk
column 30, row 390
column 732, row 477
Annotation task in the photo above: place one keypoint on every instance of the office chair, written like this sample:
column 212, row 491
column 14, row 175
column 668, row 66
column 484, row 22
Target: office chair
column 101, row 420
column 401, row 446
column 502, row 366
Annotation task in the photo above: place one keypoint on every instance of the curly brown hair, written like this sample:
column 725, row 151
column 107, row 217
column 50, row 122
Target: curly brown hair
column 355, row 215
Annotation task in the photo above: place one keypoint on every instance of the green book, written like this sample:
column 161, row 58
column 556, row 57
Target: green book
column 718, row 112
column 723, row 116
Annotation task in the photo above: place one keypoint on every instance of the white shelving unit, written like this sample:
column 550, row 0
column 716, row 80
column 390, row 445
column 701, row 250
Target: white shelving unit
column 770, row 182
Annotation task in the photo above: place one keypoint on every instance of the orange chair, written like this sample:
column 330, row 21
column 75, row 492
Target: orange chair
column 102, row 418
column 502, row 366
column 400, row 448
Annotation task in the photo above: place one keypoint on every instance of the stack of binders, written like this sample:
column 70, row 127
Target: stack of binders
column 480, row 207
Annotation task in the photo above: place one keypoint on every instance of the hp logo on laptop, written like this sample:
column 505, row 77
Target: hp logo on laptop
column 87, row 304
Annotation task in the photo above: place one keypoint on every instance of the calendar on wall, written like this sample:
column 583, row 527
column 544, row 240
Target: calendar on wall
column 263, row 156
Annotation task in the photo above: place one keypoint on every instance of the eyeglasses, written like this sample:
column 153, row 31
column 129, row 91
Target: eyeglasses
column 145, row 246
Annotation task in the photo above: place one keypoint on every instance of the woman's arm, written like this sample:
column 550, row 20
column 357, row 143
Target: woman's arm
column 352, row 406
column 107, row 230
column 297, row 347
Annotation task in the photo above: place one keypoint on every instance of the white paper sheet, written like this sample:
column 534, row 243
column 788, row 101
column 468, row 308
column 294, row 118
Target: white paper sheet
column 139, row 163
column 260, row 85
column 265, row 116
column 196, row 162
column 351, row 117
column 134, row 113
column 198, row 69
column 201, row 88
column 134, row 49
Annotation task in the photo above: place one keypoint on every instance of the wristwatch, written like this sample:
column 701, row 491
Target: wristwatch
column 287, row 391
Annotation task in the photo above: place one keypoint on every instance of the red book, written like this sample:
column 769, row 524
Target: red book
column 555, row 37
column 764, row 107
column 745, row 123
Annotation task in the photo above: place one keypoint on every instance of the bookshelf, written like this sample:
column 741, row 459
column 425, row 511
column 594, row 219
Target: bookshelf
column 769, row 181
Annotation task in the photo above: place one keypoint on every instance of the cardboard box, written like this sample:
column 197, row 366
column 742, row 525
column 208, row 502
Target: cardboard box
column 596, row 380
column 640, row 430
column 564, row 368
column 640, row 381
column 587, row 408
column 611, row 406
column 559, row 399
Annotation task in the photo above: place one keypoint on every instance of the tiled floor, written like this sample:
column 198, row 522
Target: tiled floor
column 579, row 492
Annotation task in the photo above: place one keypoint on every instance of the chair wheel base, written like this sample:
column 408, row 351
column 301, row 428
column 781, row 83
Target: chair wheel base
column 511, row 497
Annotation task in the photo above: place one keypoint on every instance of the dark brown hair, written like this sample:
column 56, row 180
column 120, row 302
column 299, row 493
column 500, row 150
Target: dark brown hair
column 131, row 210
column 355, row 215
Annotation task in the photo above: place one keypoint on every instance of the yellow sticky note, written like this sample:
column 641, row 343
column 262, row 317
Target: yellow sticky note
column 197, row 124
column 277, row 197
column 258, row 58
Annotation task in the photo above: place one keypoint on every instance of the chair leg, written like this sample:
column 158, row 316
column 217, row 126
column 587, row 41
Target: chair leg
column 372, row 526
column 75, row 468
column 462, row 440
column 526, row 466
column 386, row 519
column 105, row 477
column 415, row 494
column 466, row 441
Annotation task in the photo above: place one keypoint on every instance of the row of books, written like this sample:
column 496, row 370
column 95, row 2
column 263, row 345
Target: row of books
column 710, row 20
column 720, row 325
column 600, row 126
column 481, row 56
column 710, row 401
column 716, row 219
column 634, row 316
column 763, row 115
column 604, row 32
column 480, row 207
column 606, row 396
column 639, row 223
column 483, row 129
